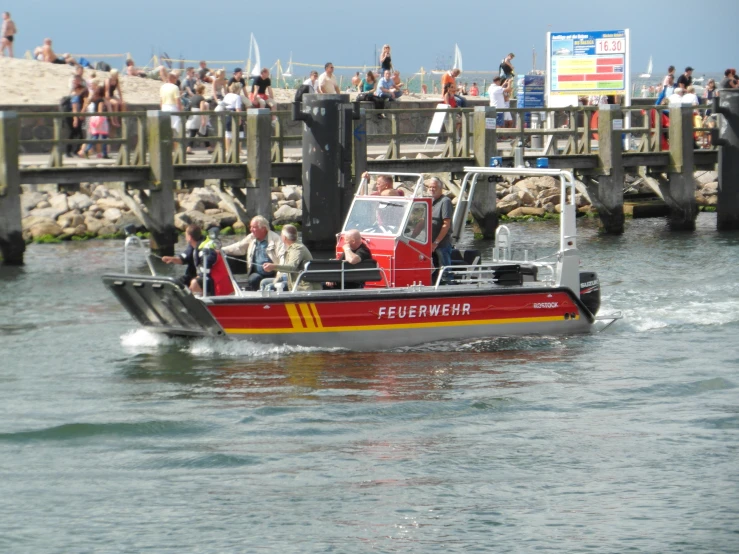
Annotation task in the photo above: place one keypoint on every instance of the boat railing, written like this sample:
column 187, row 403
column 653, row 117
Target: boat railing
column 503, row 272
column 134, row 241
column 341, row 272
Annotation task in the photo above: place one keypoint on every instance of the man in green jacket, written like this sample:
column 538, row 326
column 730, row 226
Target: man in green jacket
column 293, row 262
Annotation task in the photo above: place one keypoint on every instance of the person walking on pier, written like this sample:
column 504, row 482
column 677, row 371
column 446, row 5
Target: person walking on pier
column 7, row 35
column 686, row 79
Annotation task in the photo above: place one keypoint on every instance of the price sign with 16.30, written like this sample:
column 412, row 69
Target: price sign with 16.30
column 610, row 46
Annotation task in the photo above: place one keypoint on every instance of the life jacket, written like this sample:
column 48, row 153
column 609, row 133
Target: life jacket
column 218, row 273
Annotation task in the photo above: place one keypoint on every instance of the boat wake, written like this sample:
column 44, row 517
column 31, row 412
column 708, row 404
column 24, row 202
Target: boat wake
column 657, row 310
column 141, row 340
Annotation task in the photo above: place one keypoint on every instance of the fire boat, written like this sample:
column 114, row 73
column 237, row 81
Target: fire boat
column 405, row 300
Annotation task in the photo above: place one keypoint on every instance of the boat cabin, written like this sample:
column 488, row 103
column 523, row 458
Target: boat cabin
column 396, row 229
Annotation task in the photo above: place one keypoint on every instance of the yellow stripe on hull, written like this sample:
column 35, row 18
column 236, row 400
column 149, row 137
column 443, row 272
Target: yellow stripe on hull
column 388, row 327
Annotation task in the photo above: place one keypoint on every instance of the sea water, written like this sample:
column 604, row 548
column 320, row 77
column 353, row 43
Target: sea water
column 113, row 439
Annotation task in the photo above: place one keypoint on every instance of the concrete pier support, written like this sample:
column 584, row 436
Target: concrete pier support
column 160, row 199
column 258, row 162
column 608, row 194
column 728, row 161
column 322, row 168
column 484, row 205
column 12, row 245
column 679, row 194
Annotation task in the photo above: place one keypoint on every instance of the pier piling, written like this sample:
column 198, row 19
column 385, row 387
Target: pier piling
column 258, row 162
column 322, row 168
column 728, row 160
column 608, row 194
column 679, row 194
column 485, row 142
column 12, row 245
column 160, row 198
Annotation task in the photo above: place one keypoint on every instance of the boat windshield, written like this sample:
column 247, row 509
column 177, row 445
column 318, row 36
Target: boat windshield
column 378, row 215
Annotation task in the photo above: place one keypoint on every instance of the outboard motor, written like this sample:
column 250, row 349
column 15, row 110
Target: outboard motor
column 590, row 291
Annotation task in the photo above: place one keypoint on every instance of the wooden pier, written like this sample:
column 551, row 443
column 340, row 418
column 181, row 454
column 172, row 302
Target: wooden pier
column 152, row 158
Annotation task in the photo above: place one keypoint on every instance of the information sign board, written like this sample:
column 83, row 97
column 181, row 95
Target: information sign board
column 588, row 63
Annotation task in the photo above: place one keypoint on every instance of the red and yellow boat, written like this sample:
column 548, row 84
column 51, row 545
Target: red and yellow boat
column 399, row 305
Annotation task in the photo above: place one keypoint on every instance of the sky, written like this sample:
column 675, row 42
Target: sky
column 421, row 33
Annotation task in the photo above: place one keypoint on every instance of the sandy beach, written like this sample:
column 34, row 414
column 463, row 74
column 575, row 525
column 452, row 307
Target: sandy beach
column 38, row 83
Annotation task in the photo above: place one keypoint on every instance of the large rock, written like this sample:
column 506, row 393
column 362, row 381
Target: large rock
column 112, row 215
column 42, row 229
column 534, row 185
column 182, row 220
column 70, row 219
column 192, row 205
column 79, row 201
column 224, row 219
column 208, row 197
column 110, row 202
column 49, row 213
column 107, row 230
column 709, row 189
column 129, row 218
column 705, row 177
column 287, row 214
column 31, row 220
column 291, row 192
column 78, row 231
column 525, row 210
column 30, row 200
column 59, row 201
column 512, row 198
column 94, row 225
column 506, row 206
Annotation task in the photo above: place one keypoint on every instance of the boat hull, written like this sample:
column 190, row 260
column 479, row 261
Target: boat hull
column 369, row 319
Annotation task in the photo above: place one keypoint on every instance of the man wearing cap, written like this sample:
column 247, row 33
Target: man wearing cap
column 237, row 78
column 686, row 79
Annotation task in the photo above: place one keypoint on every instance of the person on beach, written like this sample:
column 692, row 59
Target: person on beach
column 48, row 55
column 233, row 102
column 474, row 91
column 451, row 77
column 188, row 85
column 293, row 262
column 506, row 67
column 398, row 84
column 386, row 60
column 219, row 85
column 385, row 87
column 204, row 74
column 686, row 79
column 78, row 95
column 356, row 80
column 114, row 95
column 237, row 77
column 7, row 35
column 78, row 71
column 669, row 77
column 97, row 124
column 262, row 95
column 729, row 80
column 447, row 96
column 197, row 125
column 261, row 246
column 367, row 93
column 311, row 82
column 132, row 70
column 169, row 94
column 327, row 82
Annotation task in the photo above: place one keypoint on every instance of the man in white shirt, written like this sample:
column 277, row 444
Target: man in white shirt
column 327, row 82
column 496, row 93
column 690, row 98
column 676, row 97
column 310, row 82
